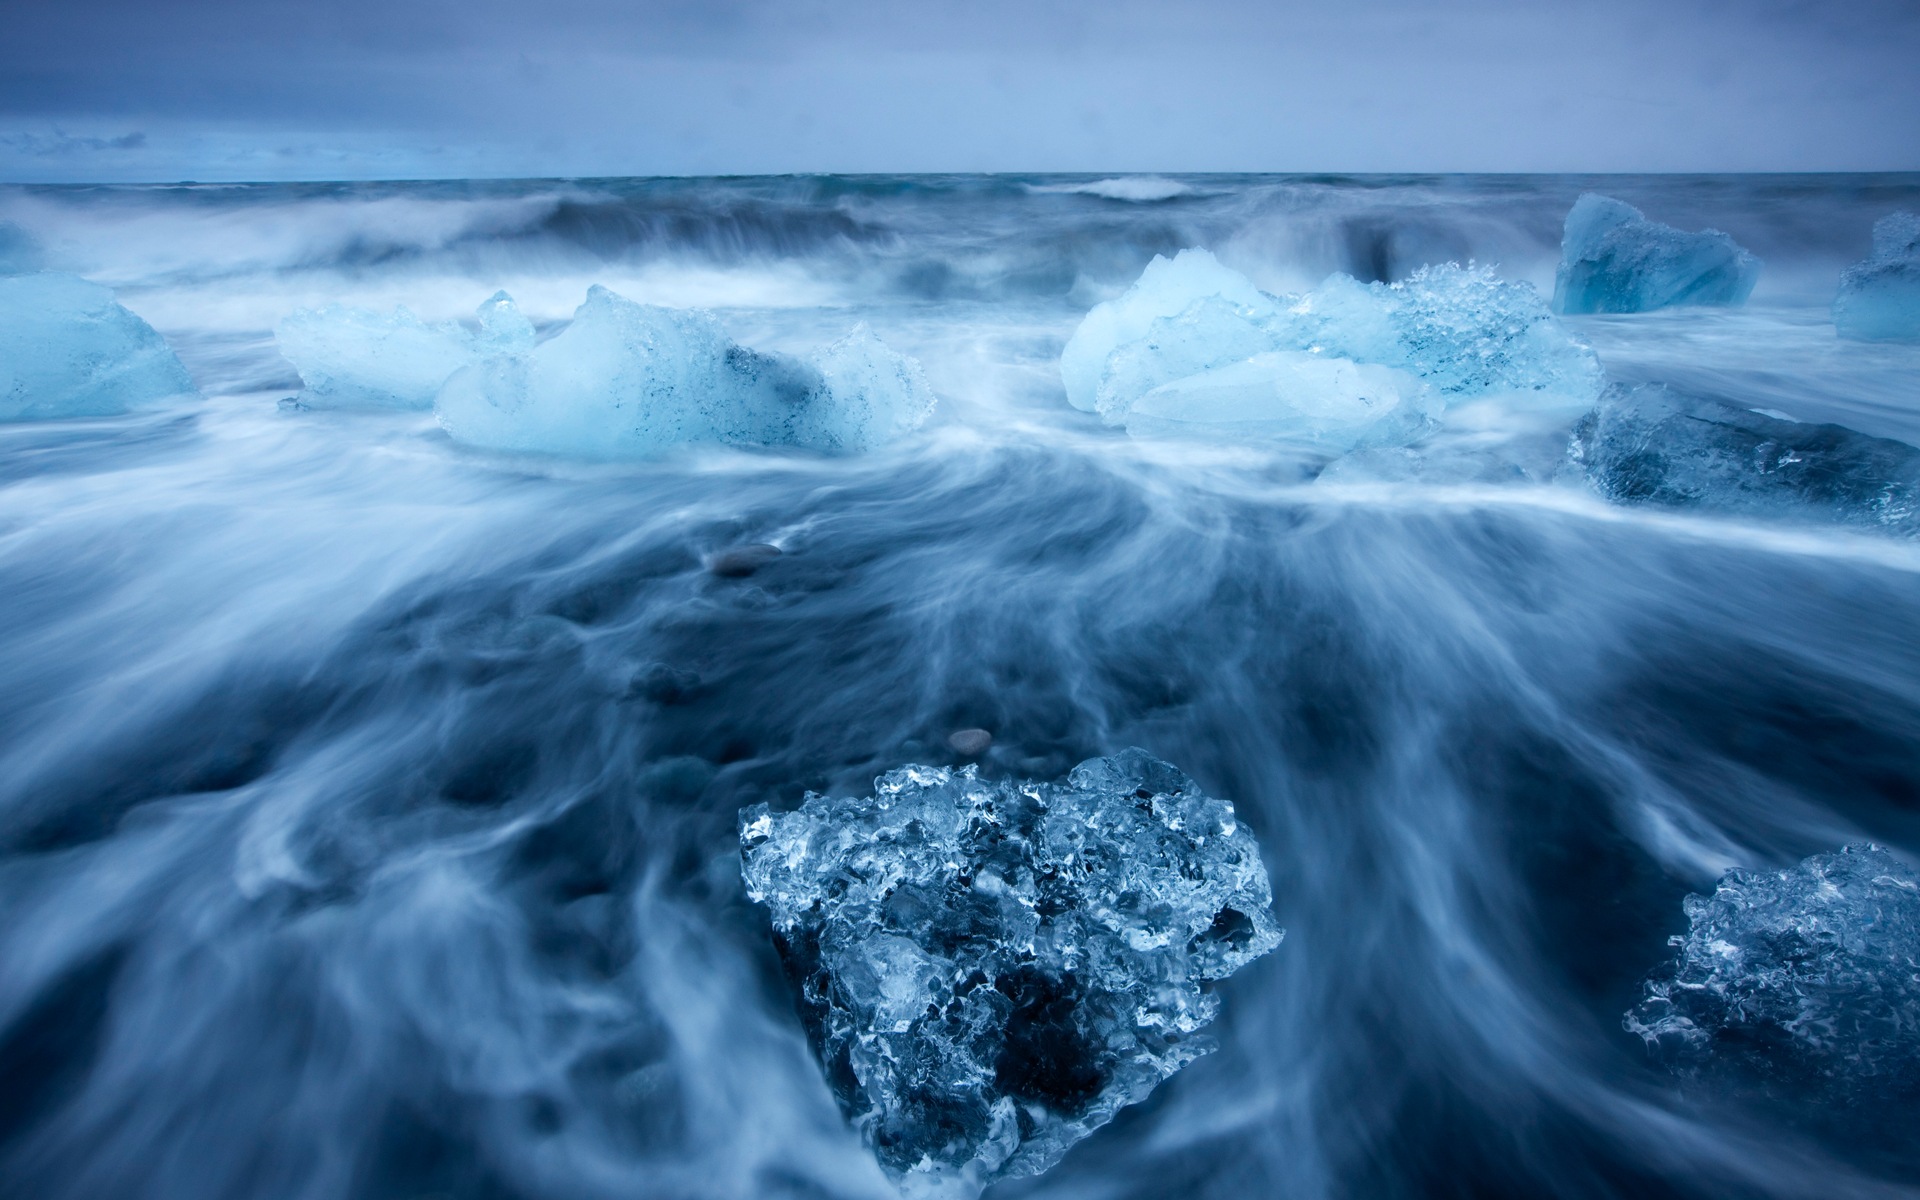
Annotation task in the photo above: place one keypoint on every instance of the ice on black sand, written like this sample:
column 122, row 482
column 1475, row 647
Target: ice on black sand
column 1614, row 260
column 988, row 971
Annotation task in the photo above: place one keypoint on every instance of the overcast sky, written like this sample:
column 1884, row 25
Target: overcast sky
column 265, row 89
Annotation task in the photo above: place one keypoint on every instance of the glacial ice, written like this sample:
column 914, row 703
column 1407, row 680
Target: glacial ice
column 69, row 349
column 357, row 358
column 629, row 380
column 1803, row 983
column 989, row 971
column 20, row 251
column 1879, row 299
column 1193, row 332
column 1648, row 444
column 1614, row 260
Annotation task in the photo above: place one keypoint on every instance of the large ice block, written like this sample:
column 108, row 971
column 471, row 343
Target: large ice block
column 1194, row 344
column 1651, row 445
column 1879, row 299
column 1614, row 260
column 988, row 971
column 1798, row 984
column 69, row 349
column 629, row 380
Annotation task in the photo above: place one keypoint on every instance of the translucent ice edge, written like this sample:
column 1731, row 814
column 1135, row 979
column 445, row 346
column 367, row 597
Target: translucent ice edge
column 69, row 349
column 988, row 971
column 1614, row 260
column 1194, row 343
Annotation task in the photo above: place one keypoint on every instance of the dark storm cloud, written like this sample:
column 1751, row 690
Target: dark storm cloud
column 745, row 85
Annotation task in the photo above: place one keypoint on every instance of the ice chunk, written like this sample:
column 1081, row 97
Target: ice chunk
column 1168, row 288
column 1651, row 445
column 989, row 971
column 19, row 251
column 1332, row 402
column 356, row 358
column 629, row 380
column 1614, row 260
column 68, row 349
column 1803, row 984
column 1460, row 331
column 1879, row 299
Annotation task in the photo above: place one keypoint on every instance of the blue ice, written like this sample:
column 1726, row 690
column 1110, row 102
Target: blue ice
column 628, row 380
column 1614, row 260
column 1879, row 299
column 69, row 349
column 357, row 358
column 1195, row 345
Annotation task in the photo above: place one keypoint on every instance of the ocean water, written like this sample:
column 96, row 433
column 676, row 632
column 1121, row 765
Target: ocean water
column 368, row 804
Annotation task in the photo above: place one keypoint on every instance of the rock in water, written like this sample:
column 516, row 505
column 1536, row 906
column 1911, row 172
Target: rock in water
column 970, row 742
column 1614, row 260
column 1802, row 985
column 1651, row 445
column 989, row 971
column 1879, row 299
column 69, row 349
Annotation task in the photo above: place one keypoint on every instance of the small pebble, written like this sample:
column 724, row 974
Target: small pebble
column 970, row 742
column 742, row 561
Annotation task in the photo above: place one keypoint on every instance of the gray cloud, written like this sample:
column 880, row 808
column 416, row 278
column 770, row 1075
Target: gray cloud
column 619, row 86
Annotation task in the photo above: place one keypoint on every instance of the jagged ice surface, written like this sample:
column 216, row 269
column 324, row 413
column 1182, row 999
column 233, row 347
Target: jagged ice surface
column 1652, row 445
column 988, row 971
column 1803, row 984
column 1195, row 343
column 1880, row 298
column 1614, row 260
column 629, row 380
column 69, row 349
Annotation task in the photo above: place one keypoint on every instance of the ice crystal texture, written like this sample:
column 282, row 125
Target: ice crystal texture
column 628, row 380
column 1804, row 983
column 988, row 971
column 1651, row 445
column 1880, row 298
column 357, row 358
column 1614, row 260
column 1347, row 364
column 69, row 349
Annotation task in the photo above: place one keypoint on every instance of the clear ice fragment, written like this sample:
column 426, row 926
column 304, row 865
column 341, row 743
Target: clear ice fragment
column 1802, row 984
column 1648, row 444
column 356, row 358
column 988, row 971
column 1614, row 260
column 69, row 349
column 1879, row 299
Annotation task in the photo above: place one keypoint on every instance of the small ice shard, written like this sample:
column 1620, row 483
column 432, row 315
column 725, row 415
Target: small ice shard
column 1802, row 984
column 629, row 380
column 69, row 349
column 989, row 971
column 1648, row 444
column 1614, row 260
column 356, row 358
column 1879, row 299
column 1194, row 344
column 20, row 252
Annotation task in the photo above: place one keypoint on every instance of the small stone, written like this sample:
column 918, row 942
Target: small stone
column 742, row 561
column 970, row 743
